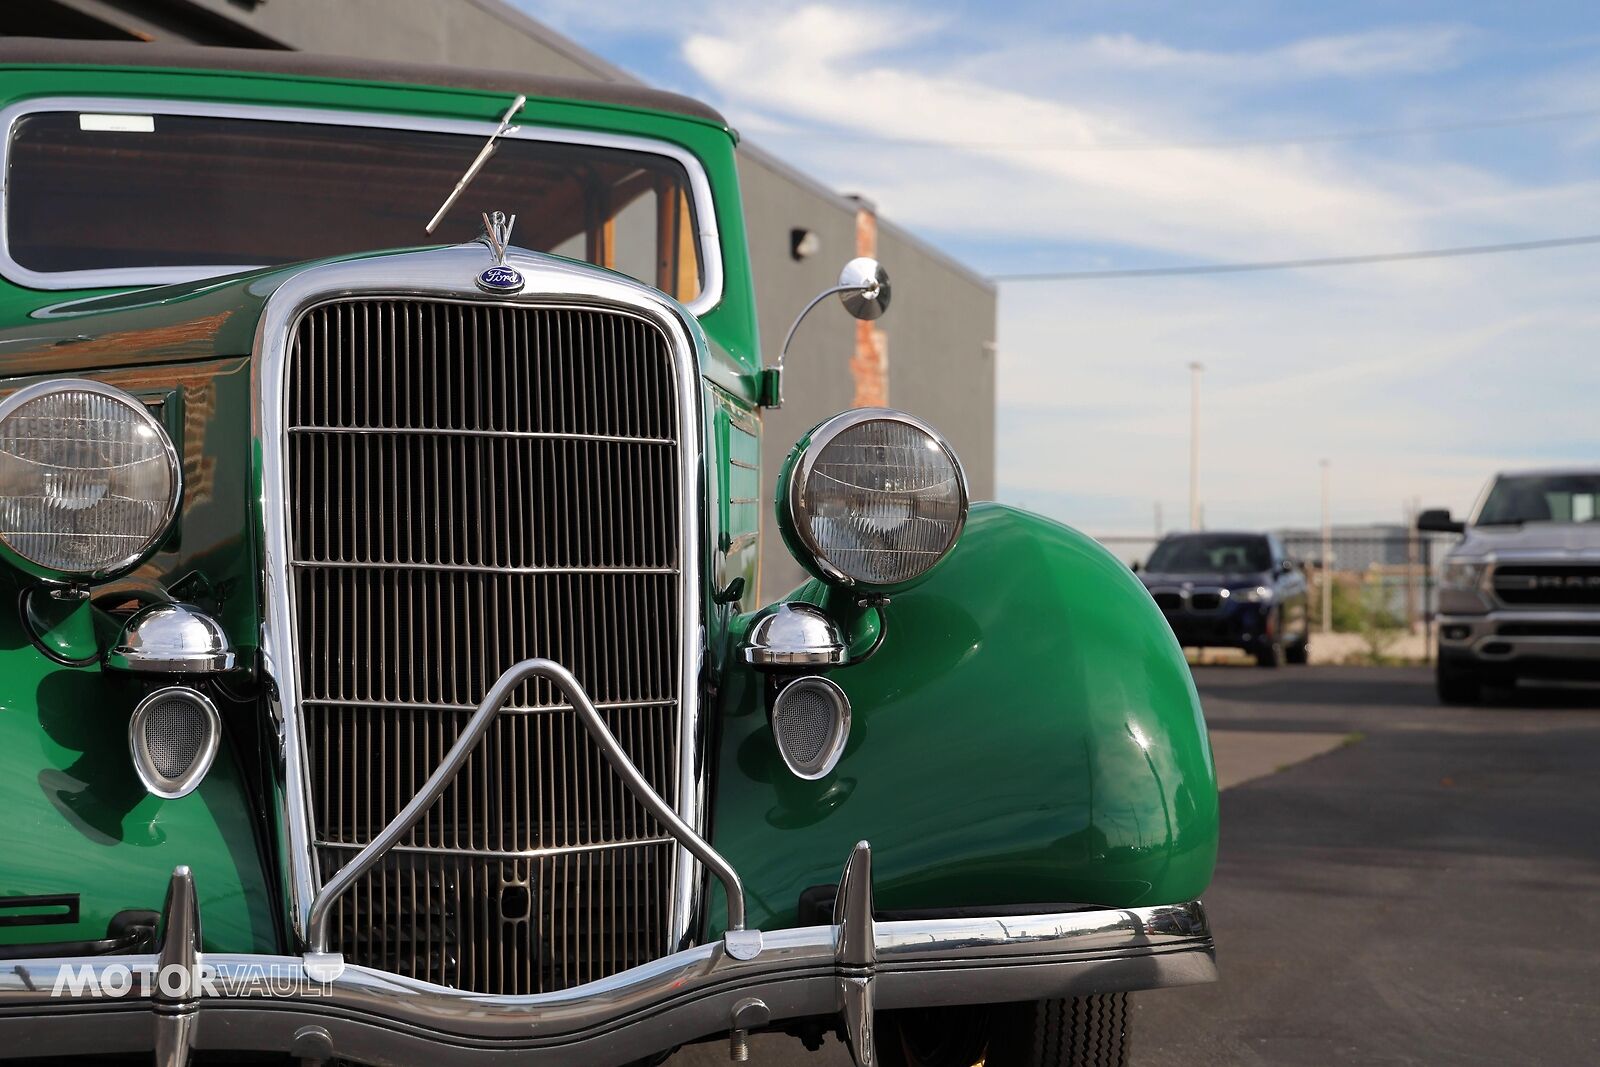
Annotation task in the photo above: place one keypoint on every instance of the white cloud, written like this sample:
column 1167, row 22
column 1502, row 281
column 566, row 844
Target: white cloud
column 1414, row 379
column 831, row 67
column 1406, row 50
column 1422, row 393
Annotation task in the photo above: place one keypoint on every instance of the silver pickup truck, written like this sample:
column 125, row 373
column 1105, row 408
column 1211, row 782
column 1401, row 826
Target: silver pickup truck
column 1519, row 597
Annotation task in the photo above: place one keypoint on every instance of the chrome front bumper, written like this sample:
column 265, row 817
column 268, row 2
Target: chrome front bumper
column 316, row 1007
column 270, row 1003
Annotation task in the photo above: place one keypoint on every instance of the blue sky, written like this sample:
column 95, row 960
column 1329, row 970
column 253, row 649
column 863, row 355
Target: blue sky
column 1049, row 136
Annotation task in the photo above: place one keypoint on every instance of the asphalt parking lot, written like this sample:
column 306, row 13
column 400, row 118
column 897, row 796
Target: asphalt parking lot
column 1398, row 883
column 1422, row 895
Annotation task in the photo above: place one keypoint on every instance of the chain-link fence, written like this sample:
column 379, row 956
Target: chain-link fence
column 1373, row 582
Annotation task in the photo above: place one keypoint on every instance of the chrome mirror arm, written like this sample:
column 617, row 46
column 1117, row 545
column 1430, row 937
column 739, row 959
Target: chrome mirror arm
column 788, row 337
column 863, row 288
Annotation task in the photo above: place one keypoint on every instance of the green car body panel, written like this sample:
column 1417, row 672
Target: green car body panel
column 1026, row 732
column 1025, row 728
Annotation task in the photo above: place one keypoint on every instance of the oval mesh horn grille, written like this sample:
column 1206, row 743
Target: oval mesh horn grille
column 810, row 721
column 173, row 737
column 174, row 733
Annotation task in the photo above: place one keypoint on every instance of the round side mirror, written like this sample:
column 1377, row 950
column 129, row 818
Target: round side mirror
column 865, row 288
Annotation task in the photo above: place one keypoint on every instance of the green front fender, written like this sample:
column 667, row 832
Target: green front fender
column 77, row 821
column 1027, row 733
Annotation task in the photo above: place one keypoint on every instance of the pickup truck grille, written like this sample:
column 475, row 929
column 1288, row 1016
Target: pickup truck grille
column 1548, row 584
column 472, row 485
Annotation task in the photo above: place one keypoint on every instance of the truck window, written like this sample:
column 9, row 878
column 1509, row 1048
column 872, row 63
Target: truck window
column 1521, row 498
column 88, row 192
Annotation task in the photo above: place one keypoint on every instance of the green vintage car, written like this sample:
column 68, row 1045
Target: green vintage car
column 382, row 675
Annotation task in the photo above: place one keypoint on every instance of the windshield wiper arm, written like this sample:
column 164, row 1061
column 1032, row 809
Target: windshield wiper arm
column 484, row 153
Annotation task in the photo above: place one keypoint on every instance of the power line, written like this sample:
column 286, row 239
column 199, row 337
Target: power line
column 1296, row 264
column 1380, row 133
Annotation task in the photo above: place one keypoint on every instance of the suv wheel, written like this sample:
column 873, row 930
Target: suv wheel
column 1298, row 653
column 1457, row 685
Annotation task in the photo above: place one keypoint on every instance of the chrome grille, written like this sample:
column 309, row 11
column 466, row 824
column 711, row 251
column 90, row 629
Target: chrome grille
column 470, row 486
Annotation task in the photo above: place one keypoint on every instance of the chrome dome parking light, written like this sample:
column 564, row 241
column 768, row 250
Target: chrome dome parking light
column 171, row 639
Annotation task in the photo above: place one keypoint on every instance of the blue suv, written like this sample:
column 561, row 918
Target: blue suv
column 1231, row 590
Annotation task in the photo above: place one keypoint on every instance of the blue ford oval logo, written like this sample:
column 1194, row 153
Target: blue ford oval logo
column 500, row 279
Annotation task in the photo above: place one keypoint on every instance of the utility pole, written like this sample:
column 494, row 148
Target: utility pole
column 1194, row 444
column 1327, row 556
column 1412, row 556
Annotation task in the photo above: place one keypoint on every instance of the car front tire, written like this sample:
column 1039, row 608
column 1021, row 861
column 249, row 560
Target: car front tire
column 1087, row 1031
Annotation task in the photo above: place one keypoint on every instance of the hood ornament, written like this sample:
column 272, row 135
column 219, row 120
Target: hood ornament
column 499, row 278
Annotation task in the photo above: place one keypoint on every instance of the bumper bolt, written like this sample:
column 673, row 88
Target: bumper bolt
column 749, row 1012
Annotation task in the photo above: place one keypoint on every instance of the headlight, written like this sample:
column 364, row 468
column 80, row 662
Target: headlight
column 1463, row 574
column 89, row 481
column 1255, row 594
column 872, row 497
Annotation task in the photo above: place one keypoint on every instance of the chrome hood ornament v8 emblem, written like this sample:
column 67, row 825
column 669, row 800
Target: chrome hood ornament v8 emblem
column 499, row 278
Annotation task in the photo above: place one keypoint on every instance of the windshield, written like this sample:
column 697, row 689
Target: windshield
column 1541, row 498
column 93, row 192
column 1211, row 554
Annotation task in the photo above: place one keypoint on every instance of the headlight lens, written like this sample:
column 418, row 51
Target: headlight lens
column 89, row 481
column 1254, row 594
column 1463, row 574
column 875, row 497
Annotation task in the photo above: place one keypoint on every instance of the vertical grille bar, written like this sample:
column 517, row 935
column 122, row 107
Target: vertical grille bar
column 471, row 486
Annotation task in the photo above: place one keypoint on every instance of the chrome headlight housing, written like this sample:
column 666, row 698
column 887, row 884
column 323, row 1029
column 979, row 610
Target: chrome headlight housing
column 89, row 480
column 872, row 498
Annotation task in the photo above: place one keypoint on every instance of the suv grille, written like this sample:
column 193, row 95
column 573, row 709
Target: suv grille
column 471, row 486
column 1558, row 584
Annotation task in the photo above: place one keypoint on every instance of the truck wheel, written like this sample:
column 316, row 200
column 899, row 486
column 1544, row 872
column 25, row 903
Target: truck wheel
column 1457, row 686
column 1298, row 653
column 1073, row 1032
column 1087, row 1031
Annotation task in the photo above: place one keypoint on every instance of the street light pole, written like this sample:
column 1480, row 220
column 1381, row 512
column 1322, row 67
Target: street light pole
column 1194, row 444
column 1327, row 556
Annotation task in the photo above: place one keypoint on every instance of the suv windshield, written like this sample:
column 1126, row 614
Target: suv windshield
column 93, row 192
column 1211, row 554
column 1542, row 498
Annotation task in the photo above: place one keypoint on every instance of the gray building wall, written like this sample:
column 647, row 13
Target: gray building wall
column 941, row 322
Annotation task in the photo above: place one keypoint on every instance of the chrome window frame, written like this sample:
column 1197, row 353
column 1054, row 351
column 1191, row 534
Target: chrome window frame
column 705, row 215
column 448, row 274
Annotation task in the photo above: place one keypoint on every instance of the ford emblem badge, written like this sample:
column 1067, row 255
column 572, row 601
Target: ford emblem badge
column 500, row 279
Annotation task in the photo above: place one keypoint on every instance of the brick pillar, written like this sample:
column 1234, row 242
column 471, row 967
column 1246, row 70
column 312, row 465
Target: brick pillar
column 869, row 366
